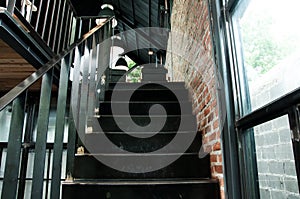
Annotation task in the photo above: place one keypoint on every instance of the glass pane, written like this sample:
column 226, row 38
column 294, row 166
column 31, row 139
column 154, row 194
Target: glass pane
column 275, row 160
column 269, row 39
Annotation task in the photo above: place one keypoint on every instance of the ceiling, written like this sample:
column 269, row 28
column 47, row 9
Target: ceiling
column 132, row 14
column 13, row 68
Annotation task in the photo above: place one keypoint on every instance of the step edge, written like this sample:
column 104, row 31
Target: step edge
column 140, row 182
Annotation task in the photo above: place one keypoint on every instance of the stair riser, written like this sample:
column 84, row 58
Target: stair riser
column 148, row 95
column 143, row 108
column 172, row 123
column 187, row 166
column 146, row 145
column 149, row 86
column 177, row 191
column 150, row 77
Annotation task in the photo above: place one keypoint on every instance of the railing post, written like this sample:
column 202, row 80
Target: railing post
column 10, row 182
column 92, row 86
column 28, row 135
column 42, row 129
column 60, row 127
column 11, row 6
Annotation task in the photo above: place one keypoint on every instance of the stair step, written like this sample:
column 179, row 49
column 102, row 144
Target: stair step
column 142, row 108
column 145, row 145
column 172, row 123
column 147, row 95
column 187, row 166
column 152, row 77
column 148, row 86
column 154, row 70
column 158, row 189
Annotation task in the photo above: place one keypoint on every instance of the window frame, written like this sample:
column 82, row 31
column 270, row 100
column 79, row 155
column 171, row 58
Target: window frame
column 238, row 143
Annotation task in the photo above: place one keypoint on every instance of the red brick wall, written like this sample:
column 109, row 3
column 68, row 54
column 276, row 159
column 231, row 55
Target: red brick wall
column 192, row 62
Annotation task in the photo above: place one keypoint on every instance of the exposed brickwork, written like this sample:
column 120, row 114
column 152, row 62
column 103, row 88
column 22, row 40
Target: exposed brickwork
column 192, row 62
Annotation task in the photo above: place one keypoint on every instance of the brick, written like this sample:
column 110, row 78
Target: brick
column 276, row 167
column 271, row 138
column 265, row 193
column 275, row 182
column 262, row 180
column 223, row 194
column 263, row 166
column 284, row 151
column 212, row 137
column 268, row 153
column 277, row 195
column 218, row 169
column 293, row 196
column 213, row 158
column 289, row 168
column 217, row 146
column 216, row 124
column 291, row 185
column 284, row 136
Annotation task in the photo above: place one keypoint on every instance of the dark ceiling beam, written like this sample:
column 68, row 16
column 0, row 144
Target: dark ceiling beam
column 133, row 12
column 159, row 13
column 149, row 14
column 141, row 33
column 123, row 27
column 119, row 4
column 137, row 44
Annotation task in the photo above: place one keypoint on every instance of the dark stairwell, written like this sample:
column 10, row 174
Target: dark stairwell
column 187, row 177
column 85, row 176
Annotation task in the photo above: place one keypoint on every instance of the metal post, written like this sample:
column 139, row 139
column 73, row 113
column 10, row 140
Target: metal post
column 11, row 6
column 10, row 182
column 42, row 129
column 26, row 147
column 60, row 127
column 294, row 120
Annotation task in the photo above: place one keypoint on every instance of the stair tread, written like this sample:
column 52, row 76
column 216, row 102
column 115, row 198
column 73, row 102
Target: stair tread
column 138, row 154
column 138, row 132
column 145, row 116
column 148, row 86
column 140, row 182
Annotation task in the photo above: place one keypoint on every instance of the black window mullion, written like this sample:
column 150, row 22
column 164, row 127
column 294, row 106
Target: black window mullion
column 294, row 121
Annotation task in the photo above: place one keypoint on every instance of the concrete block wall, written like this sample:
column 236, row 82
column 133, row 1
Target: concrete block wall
column 190, row 59
column 275, row 159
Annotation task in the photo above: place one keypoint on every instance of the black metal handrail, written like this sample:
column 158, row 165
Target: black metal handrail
column 53, row 20
column 24, row 85
column 88, row 58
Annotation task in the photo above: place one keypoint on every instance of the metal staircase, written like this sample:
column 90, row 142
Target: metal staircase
column 187, row 177
column 70, row 84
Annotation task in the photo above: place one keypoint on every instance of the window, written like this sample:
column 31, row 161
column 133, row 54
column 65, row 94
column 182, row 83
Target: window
column 270, row 50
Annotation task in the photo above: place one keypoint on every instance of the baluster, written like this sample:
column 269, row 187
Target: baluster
column 12, row 164
column 57, row 24
column 45, row 18
column 38, row 16
column 65, row 30
column 31, row 113
column 61, row 27
column 60, row 127
column 73, row 112
column 41, row 139
column 51, row 22
column 92, row 84
column 84, row 90
column 69, row 32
